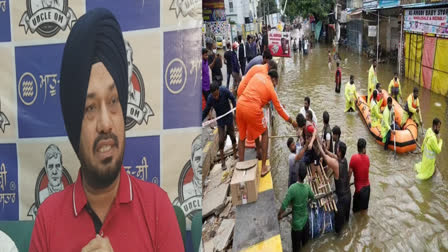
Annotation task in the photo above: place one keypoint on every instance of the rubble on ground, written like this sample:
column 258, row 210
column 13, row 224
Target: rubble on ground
column 218, row 212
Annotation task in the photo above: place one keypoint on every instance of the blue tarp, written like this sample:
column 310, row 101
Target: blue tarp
column 321, row 222
column 317, row 30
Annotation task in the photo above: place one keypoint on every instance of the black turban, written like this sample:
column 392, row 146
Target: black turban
column 96, row 37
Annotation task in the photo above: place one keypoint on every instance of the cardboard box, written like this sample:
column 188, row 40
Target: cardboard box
column 244, row 186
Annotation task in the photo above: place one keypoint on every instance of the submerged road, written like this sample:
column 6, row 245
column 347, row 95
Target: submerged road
column 404, row 214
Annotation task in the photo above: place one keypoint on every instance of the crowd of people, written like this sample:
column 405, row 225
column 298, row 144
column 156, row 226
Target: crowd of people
column 312, row 149
column 254, row 88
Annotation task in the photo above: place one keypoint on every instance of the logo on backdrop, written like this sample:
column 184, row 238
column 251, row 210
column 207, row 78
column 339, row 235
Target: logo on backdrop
column 3, row 119
column 192, row 8
column 52, row 178
column 138, row 109
column 190, row 182
column 6, row 198
column 140, row 171
column 3, row 5
column 28, row 88
column 196, row 67
column 175, row 76
column 47, row 17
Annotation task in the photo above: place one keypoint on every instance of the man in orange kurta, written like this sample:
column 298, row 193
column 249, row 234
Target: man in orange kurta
column 265, row 68
column 260, row 68
column 249, row 113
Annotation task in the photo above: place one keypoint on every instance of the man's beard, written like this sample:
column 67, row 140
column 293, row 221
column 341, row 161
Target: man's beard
column 436, row 131
column 101, row 178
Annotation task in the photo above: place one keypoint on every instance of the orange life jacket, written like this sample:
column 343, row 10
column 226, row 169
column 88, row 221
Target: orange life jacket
column 396, row 85
column 379, row 96
column 414, row 102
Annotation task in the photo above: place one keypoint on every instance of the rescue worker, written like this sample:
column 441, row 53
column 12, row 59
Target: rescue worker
column 379, row 93
column 267, row 66
column 395, row 88
column 412, row 108
column 375, row 110
column 432, row 145
column 350, row 95
column 249, row 113
column 388, row 125
column 371, row 81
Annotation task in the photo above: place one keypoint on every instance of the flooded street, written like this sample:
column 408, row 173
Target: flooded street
column 404, row 213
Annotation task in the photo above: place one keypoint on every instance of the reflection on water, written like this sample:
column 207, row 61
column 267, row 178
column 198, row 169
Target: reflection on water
column 404, row 213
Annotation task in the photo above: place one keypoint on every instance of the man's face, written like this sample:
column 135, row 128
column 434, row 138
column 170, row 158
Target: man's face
column 204, row 56
column 389, row 105
column 53, row 169
column 196, row 164
column 415, row 94
column 306, row 105
column 102, row 137
column 292, row 147
column 436, row 128
column 335, row 137
column 216, row 94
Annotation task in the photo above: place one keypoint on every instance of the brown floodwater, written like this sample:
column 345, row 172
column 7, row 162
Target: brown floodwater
column 404, row 214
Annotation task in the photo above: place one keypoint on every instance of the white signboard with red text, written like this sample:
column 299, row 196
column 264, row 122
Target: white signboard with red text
column 432, row 20
column 279, row 43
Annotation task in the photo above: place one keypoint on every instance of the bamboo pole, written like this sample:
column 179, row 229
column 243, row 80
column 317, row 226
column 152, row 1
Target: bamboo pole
column 283, row 136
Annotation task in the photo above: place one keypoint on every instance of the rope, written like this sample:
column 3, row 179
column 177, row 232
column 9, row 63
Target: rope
column 415, row 140
column 204, row 124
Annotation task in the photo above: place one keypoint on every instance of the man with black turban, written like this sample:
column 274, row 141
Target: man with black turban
column 105, row 209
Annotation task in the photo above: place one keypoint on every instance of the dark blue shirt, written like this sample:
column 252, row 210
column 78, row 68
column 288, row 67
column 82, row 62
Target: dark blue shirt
column 235, row 63
column 221, row 106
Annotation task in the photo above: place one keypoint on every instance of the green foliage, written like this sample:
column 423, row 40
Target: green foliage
column 264, row 4
column 304, row 8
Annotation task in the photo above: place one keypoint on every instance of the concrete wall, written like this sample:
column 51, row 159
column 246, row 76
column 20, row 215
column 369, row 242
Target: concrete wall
column 241, row 9
column 354, row 35
column 389, row 33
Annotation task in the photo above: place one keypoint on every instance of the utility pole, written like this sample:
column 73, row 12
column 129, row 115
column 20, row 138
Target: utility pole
column 378, row 37
column 268, row 9
column 400, row 50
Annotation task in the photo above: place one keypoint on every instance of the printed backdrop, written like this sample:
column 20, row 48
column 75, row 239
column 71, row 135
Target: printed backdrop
column 163, row 117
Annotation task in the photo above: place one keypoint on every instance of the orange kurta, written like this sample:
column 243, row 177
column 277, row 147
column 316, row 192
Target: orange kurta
column 249, row 109
column 246, row 79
